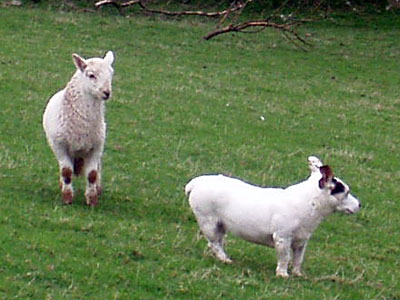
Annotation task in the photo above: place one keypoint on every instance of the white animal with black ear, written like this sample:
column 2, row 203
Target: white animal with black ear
column 281, row 218
column 75, row 126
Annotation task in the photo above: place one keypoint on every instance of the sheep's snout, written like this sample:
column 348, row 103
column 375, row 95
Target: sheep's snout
column 349, row 205
column 106, row 95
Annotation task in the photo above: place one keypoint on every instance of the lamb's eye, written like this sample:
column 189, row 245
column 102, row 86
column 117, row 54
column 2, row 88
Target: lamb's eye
column 92, row 76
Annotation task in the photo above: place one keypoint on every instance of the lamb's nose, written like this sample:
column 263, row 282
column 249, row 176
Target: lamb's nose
column 106, row 95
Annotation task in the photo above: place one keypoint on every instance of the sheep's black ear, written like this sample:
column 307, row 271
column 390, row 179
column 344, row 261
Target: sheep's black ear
column 79, row 62
column 327, row 176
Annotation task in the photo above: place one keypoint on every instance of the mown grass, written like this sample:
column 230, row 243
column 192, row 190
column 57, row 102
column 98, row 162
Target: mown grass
column 252, row 106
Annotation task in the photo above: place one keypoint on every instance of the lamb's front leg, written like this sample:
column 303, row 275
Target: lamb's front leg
column 93, row 176
column 283, row 251
column 298, row 255
column 66, row 170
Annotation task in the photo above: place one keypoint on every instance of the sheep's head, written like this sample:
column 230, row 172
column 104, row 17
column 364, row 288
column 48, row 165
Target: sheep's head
column 96, row 74
column 339, row 192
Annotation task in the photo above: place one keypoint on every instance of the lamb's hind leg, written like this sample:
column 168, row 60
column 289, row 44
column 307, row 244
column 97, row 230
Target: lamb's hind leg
column 214, row 231
column 298, row 256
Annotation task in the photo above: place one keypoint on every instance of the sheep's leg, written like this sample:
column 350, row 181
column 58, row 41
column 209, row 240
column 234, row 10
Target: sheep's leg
column 298, row 256
column 214, row 231
column 66, row 169
column 67, row 191
column 93, row 176
column 98, row 183
column 283, row 251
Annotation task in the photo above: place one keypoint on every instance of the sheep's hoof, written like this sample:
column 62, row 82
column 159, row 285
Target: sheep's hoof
column 282, row 274
column 92, row 199
column 67, row 197
column 99, row 190
column 297, row 273
column 227, row 260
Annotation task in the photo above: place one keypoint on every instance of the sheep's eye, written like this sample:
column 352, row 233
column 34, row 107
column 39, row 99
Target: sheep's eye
column 339, row 187
column 92, row 76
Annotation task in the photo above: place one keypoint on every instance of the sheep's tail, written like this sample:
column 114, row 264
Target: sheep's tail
column 189, row 187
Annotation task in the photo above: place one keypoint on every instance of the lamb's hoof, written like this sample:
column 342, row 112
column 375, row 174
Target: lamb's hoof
column 282, row 274
column 92, row 200
column 297, row 273
column 99, row 190
column 67, row 197
column 227, row 261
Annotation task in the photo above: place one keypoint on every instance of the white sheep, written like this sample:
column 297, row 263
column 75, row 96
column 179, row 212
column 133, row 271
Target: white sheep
column 281, row 218
column 74, row 125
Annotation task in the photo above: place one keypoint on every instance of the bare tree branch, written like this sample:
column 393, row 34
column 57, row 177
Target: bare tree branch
column 115, row 3
column 286, row 24
column 287, row 28
column 236, row 7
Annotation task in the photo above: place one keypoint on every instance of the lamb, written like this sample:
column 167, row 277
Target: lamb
column 75, row 128
column 282, row 218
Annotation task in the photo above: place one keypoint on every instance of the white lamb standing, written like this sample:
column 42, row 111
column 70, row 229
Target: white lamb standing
column 281, row 218
column 75, row 128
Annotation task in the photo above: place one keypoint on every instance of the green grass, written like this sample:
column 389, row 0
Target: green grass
column 182, row 107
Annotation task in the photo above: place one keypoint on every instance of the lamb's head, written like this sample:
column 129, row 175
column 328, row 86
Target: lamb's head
column 337, row 192
column 95, row 75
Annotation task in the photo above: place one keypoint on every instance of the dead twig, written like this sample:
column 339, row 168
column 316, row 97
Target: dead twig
column 115, row 3
column 236, row 7
column 287, row 28
column 285, row 24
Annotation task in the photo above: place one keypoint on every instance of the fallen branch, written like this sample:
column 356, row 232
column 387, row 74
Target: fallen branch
column 236, row 7
column 285, row 27
column 115, row 3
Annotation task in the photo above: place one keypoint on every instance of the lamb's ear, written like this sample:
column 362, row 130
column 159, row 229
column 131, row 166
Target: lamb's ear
column 327, row 176
column 314, row 163
column 109, row 57
column 79, row 62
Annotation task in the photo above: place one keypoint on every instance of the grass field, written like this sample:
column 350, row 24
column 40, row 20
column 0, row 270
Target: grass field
column 252, row 106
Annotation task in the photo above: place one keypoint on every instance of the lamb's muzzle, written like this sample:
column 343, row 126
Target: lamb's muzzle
column 106, row 95
column 283, row 218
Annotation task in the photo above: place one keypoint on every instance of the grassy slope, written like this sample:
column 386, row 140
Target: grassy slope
column 182, row 107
